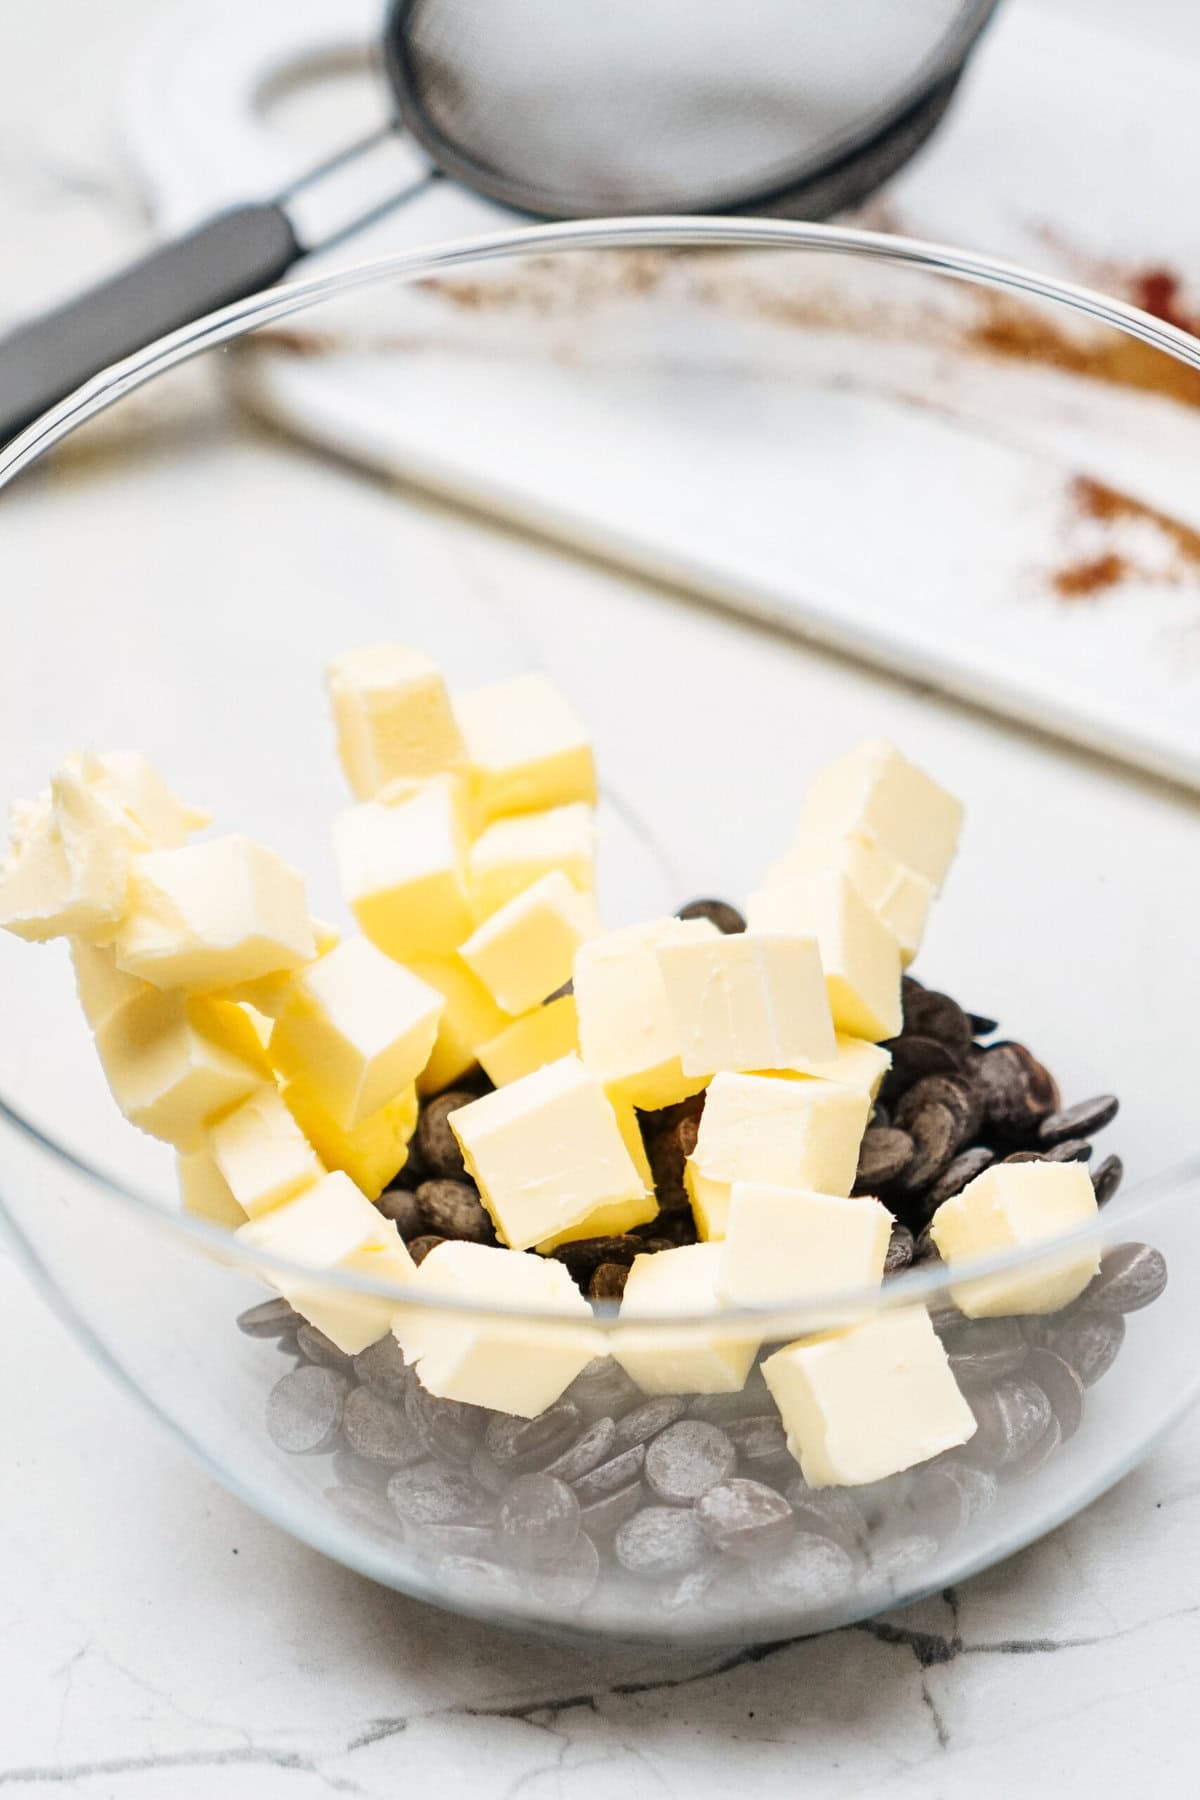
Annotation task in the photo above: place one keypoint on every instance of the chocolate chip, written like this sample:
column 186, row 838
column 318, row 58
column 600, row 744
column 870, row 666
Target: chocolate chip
column 435, row 1140
column 647, row 1420
column 930, row 1014
column 1061, row 1386
column 1010, row 1417
column 364, row 1508
column 688, row 1458
column 582, row 1256
column 983, row 1350
column 947, row 1497
column 668, row 1231
column 429, row 1495
column 1083, row 1120
column 269, row 1319
column 811, row 1573
column 453, row 1209
column 912, row 1058
column 400, row 1206
column 382, row 1367
column 315, row 1347
column 726, row 918
column 1017, row 1092
column 355, row 1471
column 1074, row 1150
column 601, row 1387
column 586, row 1453
column 883, row 1154
column 449, row 1428
column 934, row 1132
column 600, row 1518
column 660, row 1540
column 1088, row 1339
column 609, row 1477
column 1039, row 1452
column 982, row 1026
column 1106, row 1178
column 1131, row 1276
column 954, row 1092
column 608, row 1281
column 826, row 1512
column 570, row 1580
column 896, row 1561
column 539, row 1520
column 479, row 1582
column 760, row 1441
column 379, row 1431
column 520, row 1445
column 880, row 1116
column 304, row 1410
column 667, row 1150
column 957, row 1175
column 457, row 1539
column 419, row 1247
column 925, row 1250
column 745, row 1518
column 1022, row 1156
column 900, row 1250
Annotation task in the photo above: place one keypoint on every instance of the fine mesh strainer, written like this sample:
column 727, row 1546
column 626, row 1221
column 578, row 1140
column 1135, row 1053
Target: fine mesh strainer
column 790, row 107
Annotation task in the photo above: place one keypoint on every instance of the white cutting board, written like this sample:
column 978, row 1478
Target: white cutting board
column 907, row 499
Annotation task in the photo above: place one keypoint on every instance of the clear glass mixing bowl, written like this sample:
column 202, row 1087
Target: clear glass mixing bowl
column 179, row 570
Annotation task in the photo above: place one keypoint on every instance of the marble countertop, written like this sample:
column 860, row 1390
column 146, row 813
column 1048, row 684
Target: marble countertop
column 160, row 1641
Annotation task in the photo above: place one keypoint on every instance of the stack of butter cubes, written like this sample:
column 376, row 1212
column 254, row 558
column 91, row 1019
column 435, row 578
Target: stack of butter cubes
column 287, row 1067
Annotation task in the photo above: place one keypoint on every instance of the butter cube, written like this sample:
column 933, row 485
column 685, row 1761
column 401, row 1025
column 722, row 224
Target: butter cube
column 874, row 793
column 102, row 987
column 402, row 871
column 526, row 747
column 174, row 1063
column 392, row 715
column 771, row 1128
column 518, row 1366
column 526, row 950
column 862, row 1404
column 622, row 1215
column 332, row 1228
column 753, row 1000
column 546, row 1151
column 860, row 956
column 132, row 782
column 262, row 1152
column 470, row 1019
column 856, row 1064
column 541, row 1037
column 786, row 1244
column 373, row 1154
column 205, row 1192
column 512, row 853
column 355, row 1031
column 67, row 869
column 628, row 1032
column 1014, row 1206
column 898, row 896
column 267, row 994
column 209, row 915
column 695, row 1359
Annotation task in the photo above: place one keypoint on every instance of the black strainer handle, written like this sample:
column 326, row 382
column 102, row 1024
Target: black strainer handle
column 225, row 259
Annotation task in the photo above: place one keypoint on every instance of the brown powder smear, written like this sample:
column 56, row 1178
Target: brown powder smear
column 1088, row 578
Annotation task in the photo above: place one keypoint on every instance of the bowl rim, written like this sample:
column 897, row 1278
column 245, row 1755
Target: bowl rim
column 922, row 1284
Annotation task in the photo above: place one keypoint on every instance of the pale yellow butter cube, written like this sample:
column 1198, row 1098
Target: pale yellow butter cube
column 510, row 854
column 211, row 915
column 262, row 1152
column 862, row 1404
column 393, row 716
column 67, row 869
column 174, row 1063
column 267, row 994
column 705, row 1359
column 860, row 956
column 628, row 1033
column 875, row 793
column 373, row 1153
column 775, row 1129
column 1015, row 1206
column 205, row 1192
column 356, row 1030
column 512, row 1365
column 898, row 896
column 546, row 1151
column 526, row 949
column 857, row 1064
column 470, row 1019
column 751, row 1000
column 541, row 1037
column 785, row 1244
column 102, row 987
column 333, row 1228
column 402, row 871
column 526, row 747
column 131, row 781
column 623, row 1215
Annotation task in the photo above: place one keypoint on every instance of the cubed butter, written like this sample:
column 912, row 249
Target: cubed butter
column 262, row 1152
column 541, row 1037
column 693, row 1359
column 860, row 956
column 751, row 1000
column 546, row 1151
column 628, row 1033
column 374, row 1153
column 174, row 1063
column 856, row 1064
column 67, row 869
column 862, row 1404
column 526, row 747
column 510, row 854
column 355, row 1031
column 526, row 949
column 102, row 987
column 470, row 1018
column 785, row 1245
column 898, row 896
column 402, row 871
column 133, row 783
column 775, row 1129
column 205, row 1192
column 623, row 1215
column 512, row 1365
column 333, row 1229
column 1016, row 1206
column 393, row 717
column 875, row 793
column 267, row 994
column 210, row 915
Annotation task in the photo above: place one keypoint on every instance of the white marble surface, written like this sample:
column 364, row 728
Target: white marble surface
column 157, row 1639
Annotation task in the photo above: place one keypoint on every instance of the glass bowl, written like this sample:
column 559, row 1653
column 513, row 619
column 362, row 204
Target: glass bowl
column 183, row 567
